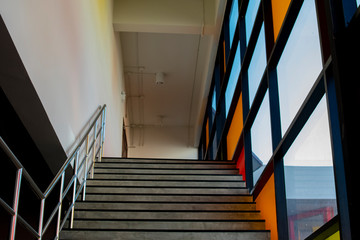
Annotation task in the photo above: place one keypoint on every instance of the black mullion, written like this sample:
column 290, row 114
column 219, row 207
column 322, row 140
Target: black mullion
column 229, row 64
column 338, row 159
column 343, row 91
column 258, row 99
column 278, row 164
column 253, row 39
column 306, row 109
column 284, row 33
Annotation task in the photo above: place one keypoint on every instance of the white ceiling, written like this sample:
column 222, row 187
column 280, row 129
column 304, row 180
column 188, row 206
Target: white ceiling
column 179, row 39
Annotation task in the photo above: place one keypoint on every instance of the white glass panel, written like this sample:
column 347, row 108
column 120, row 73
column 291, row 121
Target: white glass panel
column 309, row 176
column 300, row 64
column 261, row 142
column 257, row 65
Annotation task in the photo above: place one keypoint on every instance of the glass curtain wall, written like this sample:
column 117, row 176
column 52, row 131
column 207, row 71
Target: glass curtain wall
column 269, row 111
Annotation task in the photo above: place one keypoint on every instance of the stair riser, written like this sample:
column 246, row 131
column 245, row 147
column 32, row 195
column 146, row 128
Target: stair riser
column 164, row 183
column 168, row 177
column 130, row 190
column 128, row 235
column 165, row 165
column 168, row 215
column 156, row 161
column 170, row 225
column 165, row 206
column 163, row 171
column 170, row 198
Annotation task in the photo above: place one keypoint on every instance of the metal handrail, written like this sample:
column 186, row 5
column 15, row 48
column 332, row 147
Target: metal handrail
column 82, row 166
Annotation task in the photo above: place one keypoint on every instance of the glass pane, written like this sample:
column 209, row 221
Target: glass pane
column 235, row 129
column 358, row 2
column 300, row 64
column 214, row 147
column 250, row 16
column 234, row 75
column 213, row 105
column 234, row 15
column 207, row 133
column 309, row 176
column 261, row 142
column 279, row 9
column 257, row 65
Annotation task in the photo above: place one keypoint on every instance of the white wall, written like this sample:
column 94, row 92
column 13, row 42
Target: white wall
column 74, row 60
column 161, row 142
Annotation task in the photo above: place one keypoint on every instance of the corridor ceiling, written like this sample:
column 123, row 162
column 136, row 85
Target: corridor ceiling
column 178, row 39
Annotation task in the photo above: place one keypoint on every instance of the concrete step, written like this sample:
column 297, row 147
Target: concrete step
column 167, row 198
column 165, row 165
column 165, row 206
column 166, row 171
column 164, row 235
column 225, row 225
column 151, row 215
column 151, row 177
column 165, row 190
column 138, row 160
column 165, row 183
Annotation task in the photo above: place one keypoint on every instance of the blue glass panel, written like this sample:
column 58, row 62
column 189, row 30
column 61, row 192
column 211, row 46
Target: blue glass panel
column 234, row 15
column 234, row 75
column 257, row 65
column 300, row 64
column 261, row 142
column 358, row 2
column 250, row 16
column 309, row 176
column 214, row 147
column 213, row 104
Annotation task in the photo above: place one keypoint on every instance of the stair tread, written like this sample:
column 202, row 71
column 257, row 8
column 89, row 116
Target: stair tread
column 166, row 199
column 164, row 234
column 144, row 160
column 174, row 215
column 171, row 225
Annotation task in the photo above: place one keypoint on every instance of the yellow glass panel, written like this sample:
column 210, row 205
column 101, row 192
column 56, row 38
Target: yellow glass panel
column 279, row 9
column 235, row 129
column 335, row 236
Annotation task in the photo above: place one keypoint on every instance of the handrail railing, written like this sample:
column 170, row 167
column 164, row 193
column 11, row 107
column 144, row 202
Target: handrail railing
column 82, row 158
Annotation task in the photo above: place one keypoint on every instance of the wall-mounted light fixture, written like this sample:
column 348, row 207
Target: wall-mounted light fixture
column 159, row 78
column 123, row 96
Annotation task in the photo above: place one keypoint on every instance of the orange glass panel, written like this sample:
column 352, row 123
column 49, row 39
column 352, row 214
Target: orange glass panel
column 224, row 56
column 279, row 9
column 265, row 202
column 235, row 129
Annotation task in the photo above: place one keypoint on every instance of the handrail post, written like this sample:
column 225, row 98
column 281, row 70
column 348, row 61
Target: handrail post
column 60, row 207
column 74, row 189
column 86, row 166
column 41, row 218
column 102, row 138
column 16, row 203
column 94, row 150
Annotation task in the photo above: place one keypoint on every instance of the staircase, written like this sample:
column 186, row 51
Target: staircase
column 166, row 199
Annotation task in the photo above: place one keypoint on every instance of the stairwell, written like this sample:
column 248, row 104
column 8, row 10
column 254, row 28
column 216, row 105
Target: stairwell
column 166, row 199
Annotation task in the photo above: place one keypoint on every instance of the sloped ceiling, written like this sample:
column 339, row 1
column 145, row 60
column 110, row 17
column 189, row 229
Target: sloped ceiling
column 178, row 39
